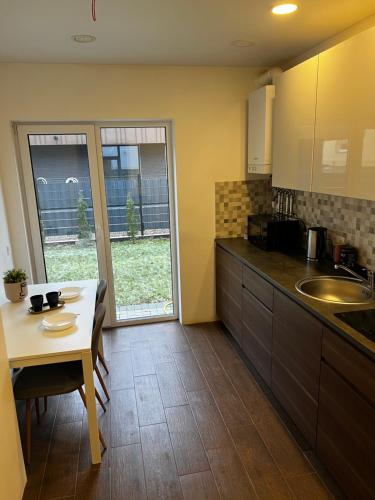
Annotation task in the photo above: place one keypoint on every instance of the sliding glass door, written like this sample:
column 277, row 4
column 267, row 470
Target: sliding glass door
column 100, row 204
column 134, row 170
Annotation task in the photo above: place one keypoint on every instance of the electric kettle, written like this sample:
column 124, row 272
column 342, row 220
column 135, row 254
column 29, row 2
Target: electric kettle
column 316, row 243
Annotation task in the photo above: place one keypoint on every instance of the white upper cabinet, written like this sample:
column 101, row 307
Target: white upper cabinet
column 260, row 130
column 344, row 158
column 294, row 122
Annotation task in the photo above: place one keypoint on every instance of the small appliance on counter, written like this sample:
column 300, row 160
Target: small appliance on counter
column 348, row 256
column 316, row 243
column 274, row 232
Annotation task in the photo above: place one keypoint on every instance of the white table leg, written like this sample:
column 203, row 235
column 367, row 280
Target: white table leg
column 92, row 420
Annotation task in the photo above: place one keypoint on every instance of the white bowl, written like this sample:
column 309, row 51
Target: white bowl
column 70, row 292
column 59, row 321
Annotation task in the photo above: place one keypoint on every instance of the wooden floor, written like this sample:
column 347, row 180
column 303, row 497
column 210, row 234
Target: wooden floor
column 186, row 420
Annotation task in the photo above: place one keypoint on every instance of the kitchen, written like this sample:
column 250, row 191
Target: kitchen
column 270, row 393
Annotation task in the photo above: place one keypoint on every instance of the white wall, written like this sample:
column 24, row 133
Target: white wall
column 6, row 261
column 208, row 106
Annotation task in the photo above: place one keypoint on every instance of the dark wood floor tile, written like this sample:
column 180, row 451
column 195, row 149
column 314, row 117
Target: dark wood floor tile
column 229, row 473
column 259, row 464
column 254, row 399
column 121, row 370
column 41, row 437
column 120, row 340
column 142, row 362
column 175, row 338
column 140, row 344
column 199, row 486
column 221, row 345
column 308, row 487
column 227, row 399
column 160, row 468
column 225, row 395
column 190, row 373
column 161, row 353
column 196, row 337
column 104, row 419
column 94, row 485
column 149, row 403
column 209, row 421
column 61, row 471
column 171, row 388
column 187, row 445
column 284, row 450
column 70, row 408
column 124, row 418
column 212, row 370
column 127, row 474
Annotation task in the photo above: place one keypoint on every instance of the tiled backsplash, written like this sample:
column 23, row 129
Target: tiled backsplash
column 234, row 201
column 349, row 218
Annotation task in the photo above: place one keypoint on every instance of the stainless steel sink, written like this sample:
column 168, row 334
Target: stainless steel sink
column 336, row 289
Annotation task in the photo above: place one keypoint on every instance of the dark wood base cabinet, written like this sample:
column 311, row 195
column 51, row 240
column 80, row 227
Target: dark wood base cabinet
column 296, row 354
column 229, row 292
column 346, row 435
column 257, row 334
column 326, row 385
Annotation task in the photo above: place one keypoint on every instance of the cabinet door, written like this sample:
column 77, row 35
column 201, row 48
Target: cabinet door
column 229, row 291
column 296, row 354
column 257, row 334
column 293, row 126
column 344, row 158
column 346, row 435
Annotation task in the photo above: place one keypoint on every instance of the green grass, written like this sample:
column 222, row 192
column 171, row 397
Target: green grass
column 142, row 270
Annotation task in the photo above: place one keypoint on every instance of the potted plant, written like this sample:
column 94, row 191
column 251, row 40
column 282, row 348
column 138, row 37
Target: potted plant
column 15, row 285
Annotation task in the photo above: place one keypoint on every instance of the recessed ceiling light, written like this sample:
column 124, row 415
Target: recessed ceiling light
column 284, row 8
column 83, row 38
column 242, row 43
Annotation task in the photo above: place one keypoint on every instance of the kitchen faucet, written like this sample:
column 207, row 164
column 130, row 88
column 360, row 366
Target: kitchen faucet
column 370, row 276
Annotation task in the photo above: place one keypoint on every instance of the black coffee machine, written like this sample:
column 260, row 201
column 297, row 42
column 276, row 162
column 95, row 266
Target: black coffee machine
column 316, row 243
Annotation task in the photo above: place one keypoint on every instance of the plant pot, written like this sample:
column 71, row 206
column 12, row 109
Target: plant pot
column 16, row 292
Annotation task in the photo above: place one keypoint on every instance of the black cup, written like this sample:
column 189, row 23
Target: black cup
column 37, row 302
column 53, row 298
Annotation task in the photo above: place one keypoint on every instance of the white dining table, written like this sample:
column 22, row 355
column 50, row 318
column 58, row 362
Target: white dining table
column 29, row 344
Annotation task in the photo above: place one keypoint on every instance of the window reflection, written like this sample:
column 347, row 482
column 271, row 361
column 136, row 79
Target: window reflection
column 335, row 156
column 368, row 148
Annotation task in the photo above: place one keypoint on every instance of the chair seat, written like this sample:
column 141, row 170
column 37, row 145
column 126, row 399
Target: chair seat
column 48, row 380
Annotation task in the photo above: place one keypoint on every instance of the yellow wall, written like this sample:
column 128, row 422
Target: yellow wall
column 12, row 470
column 208, row 106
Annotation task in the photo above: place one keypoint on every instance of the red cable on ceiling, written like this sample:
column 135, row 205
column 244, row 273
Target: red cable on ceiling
column 93, row 10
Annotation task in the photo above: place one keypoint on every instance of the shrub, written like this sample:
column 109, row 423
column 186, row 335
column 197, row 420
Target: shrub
column 84, row 230
column 131, row 217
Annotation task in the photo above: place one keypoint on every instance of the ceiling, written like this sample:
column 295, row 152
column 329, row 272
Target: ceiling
column 183, row 32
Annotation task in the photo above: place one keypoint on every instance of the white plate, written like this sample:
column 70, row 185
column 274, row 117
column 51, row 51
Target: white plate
column 60, row 321
column 70, row 292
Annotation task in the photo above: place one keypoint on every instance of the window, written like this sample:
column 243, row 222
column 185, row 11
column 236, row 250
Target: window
column 129, row 157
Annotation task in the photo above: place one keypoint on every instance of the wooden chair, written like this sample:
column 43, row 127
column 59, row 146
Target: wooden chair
column 36, row 382
column 100, row 294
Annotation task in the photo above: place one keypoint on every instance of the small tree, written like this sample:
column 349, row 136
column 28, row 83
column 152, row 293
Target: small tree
column 131, row 218
column 84, row 230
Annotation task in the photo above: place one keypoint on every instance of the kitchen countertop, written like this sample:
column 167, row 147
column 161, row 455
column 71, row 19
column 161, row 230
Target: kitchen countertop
column 283, row 271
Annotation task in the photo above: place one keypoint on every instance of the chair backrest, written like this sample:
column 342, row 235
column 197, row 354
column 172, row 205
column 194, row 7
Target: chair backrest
column 96, row 331
column 100, row 292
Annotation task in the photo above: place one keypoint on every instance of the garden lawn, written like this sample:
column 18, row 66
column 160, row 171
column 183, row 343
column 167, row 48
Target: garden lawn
column 142, row 270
